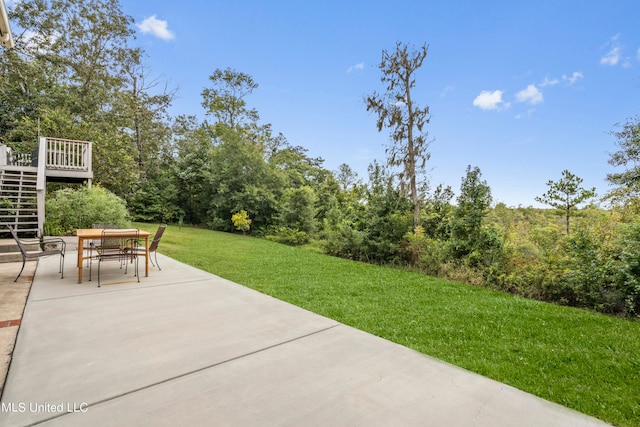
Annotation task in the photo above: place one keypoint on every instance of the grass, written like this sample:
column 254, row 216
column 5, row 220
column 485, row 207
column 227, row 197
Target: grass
column 582, row 360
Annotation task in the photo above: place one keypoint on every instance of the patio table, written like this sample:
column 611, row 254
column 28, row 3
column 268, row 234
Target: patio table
column 96, row 234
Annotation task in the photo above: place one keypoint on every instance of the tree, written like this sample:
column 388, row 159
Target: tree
column 82, row 42
column 437, row 212
column 566, row 194
column 225, row 100
column 144, row 115
column 191, row 172
column 346, row 176
column 473, row 202
column 240, row 178
column 297, row 209
column 628, row 181
column 397, row 110
column 241, row 221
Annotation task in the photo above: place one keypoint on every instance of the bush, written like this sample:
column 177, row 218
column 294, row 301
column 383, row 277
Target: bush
column 69, row 209
column 427, row 254
column 342, row 240
column 288, row 236
column 628, row 271
column 241, row 221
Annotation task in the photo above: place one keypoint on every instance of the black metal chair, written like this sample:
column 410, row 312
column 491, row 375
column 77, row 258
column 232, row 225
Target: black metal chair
column 113, row 247
column 92, row 245
column 138, row 250
column 59, row 245
column 153, row 247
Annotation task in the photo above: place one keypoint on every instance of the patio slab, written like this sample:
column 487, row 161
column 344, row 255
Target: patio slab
column 185, row 347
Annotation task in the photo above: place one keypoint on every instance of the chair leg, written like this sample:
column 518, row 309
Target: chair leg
column 155, row 254
column 128, row 258
column 24, row 260
column 62, row 266
column 99, row 272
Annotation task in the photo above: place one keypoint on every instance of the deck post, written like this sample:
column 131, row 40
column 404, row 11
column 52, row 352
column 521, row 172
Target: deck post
column 41, row 183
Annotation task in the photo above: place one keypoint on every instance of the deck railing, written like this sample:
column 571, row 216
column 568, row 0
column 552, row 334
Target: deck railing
column 58, row 154
column 67, row 154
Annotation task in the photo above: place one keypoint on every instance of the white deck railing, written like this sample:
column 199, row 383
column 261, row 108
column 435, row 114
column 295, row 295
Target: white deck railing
column 67, row 154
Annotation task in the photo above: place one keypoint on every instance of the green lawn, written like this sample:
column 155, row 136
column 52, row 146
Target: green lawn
column 582, row 360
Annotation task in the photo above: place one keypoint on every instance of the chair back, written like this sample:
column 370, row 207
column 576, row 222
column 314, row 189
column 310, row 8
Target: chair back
column 111, row 243
column 113, row 240
column 15, row 237
column 156, row 239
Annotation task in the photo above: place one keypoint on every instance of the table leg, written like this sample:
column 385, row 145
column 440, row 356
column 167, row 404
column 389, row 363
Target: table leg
column 80, row 258
column 146, row 257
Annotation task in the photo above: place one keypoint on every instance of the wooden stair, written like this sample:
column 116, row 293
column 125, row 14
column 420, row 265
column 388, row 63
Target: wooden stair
column 18, row 201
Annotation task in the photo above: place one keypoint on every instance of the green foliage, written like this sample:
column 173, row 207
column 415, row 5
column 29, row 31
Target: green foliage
column 297, row 209
column 343, row 240
column 368, row 224
column 428, row 254
column 288, row 236
column 239, row 178
column 154, row 201
column 628, row 267
column 69, row 209
column 241, row 221
column 468, row 237
column 437, row 212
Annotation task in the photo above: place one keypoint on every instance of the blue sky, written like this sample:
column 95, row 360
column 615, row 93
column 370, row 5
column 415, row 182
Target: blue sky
column 521, row 89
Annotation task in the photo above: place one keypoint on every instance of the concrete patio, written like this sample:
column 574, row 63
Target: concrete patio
column 185, row 347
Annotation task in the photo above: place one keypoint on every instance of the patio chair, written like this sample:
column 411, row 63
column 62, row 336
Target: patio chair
column 153, row 246
column 59, row 248
column 112, row 247
column 91, row 245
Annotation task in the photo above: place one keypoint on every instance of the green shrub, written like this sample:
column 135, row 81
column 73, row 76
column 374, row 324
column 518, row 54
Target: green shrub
column 69, row 209
column 628, row 273
column 288, row 236
column 342, row 240
column 429, row 255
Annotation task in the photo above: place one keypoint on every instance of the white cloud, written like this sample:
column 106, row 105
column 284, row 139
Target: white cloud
column 357, row 67
column 549, row 82
column 613, row 57
column 446, row 91
column 531, row 95
column 156, row 27
column 573, row 77
column 615, row 54
column 489, row 100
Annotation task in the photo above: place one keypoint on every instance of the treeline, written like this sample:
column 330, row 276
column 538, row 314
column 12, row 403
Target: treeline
column 230, row 172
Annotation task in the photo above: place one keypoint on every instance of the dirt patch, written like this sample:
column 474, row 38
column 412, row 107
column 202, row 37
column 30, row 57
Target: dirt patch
column 13, row 298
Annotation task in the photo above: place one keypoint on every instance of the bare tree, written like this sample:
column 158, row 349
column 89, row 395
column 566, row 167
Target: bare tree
column 397, row 110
